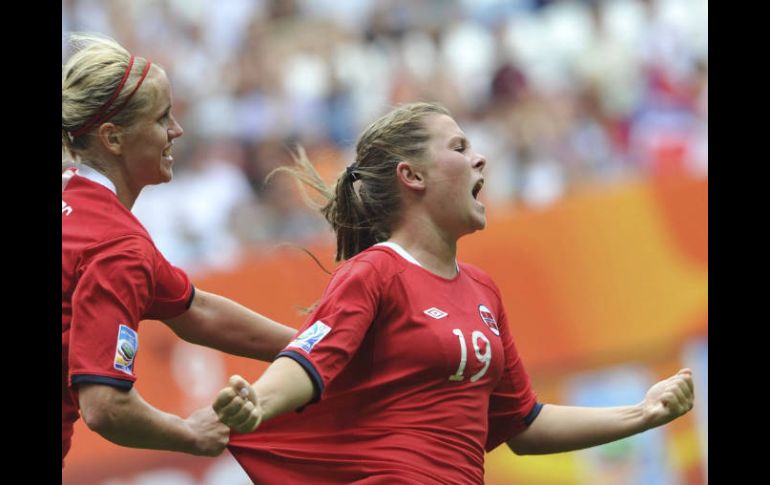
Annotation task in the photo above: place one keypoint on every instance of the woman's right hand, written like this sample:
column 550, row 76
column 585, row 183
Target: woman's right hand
column 238, row 407
column 210, row 435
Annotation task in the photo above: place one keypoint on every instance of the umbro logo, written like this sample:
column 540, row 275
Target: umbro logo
column 435, row 313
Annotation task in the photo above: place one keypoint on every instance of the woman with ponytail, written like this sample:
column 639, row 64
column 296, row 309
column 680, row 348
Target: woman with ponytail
column 406, row 371
column 118, row 131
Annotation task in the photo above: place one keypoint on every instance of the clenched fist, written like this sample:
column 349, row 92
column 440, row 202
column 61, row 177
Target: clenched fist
column 669, row 398
column 237, row 406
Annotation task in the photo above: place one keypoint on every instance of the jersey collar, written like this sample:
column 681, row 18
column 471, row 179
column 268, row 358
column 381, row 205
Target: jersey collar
column 404, row 254
column 96, row 177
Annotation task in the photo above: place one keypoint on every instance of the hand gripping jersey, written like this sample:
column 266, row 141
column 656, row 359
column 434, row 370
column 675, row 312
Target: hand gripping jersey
column 417, row 376
column 112, row 277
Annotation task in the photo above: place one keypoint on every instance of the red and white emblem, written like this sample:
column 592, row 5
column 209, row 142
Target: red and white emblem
column 489, row 319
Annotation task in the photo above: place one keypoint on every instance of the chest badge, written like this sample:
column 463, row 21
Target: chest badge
column 489, row 319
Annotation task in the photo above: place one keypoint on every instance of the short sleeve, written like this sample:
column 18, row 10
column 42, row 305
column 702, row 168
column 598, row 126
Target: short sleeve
column 513, row 404
column 172, row 291
column 334, row 331
column 113, row 292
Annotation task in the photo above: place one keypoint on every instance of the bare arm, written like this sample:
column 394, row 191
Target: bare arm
column 126, row 419
column 221, row 323
column 283, row 387
column 567, row 428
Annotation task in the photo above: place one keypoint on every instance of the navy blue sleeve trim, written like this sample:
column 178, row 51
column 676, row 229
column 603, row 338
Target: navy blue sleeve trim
column 110, row 381
column 533, row 414
column 318, row 383
column 192, row 295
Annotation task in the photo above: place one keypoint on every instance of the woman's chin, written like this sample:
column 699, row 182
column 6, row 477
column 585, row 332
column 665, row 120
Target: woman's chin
column 479, row 221
column 166, row 171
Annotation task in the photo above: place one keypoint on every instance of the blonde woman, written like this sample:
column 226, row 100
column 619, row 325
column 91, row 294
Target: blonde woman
column 119, row 128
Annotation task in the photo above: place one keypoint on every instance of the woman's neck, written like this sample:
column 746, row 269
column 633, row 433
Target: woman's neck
column 435, row 251
column 125, row 195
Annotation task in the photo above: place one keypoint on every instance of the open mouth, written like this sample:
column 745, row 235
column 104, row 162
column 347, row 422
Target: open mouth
column 167, row 153
column 477, row 188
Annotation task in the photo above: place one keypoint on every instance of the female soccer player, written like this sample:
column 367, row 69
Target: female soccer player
column 117, row 121
column 406, row 371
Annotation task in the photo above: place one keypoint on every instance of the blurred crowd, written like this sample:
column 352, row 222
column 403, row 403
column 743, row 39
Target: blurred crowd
column 558, row 95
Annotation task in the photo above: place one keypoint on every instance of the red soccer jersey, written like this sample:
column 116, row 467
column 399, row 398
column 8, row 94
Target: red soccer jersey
column 417, row 376
column 113, row 276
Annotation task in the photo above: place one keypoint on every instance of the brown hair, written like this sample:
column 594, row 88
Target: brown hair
column 363, row 217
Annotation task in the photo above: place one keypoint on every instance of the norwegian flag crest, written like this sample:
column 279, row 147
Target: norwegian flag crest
column 489, row 319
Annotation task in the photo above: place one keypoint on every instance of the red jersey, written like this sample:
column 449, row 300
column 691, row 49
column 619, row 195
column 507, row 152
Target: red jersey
column 113, row 276
column 416, row 377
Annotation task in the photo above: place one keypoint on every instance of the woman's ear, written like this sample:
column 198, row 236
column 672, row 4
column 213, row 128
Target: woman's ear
column 111, row 137
column 410, row 175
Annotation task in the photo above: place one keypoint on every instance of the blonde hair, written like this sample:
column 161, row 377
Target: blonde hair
column 361, row 218
column 89, row 78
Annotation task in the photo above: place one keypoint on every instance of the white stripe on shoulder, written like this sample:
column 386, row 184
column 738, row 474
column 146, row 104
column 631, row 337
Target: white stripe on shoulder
column 401, row 251
column 66, row 176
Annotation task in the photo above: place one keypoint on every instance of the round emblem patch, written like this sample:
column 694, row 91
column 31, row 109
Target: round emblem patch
column 489, row 319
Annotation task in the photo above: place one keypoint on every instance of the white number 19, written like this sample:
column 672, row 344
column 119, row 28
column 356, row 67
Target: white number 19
column 485, row 358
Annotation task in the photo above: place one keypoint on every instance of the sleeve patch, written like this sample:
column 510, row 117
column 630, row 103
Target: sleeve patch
column 126, row 349
column 310, row 337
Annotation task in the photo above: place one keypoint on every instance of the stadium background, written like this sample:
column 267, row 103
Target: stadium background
column 593, row 116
